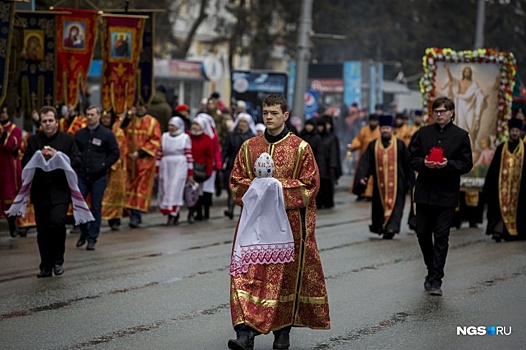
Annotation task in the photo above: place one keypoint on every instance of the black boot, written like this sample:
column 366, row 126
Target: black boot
column 22, row 231
column 191, row 218
column 198, row 209
column 207, row 203
column 244, row 341
column 13, row 229
column 281, row 339
column 230, row 207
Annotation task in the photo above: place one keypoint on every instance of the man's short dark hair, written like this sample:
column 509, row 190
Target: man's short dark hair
column 47, row 109
column 446, row 102
column 94, row 107
column 276, row 99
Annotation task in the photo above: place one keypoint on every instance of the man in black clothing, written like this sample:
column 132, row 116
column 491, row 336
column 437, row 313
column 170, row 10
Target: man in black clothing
column 438, row 186
column 99, row 149
column 242, row 132
column 50, row 192
column 386, row 162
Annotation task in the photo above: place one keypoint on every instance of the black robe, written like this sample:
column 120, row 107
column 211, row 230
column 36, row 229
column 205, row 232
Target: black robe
column 491, row 196
column 367, row 167
column 330, row 168
column 231, row 146
column 315, row 142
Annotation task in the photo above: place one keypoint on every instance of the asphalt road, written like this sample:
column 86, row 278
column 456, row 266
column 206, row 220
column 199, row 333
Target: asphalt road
column 163, row 287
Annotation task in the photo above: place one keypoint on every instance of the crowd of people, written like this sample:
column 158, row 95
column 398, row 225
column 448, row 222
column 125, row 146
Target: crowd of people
column 115, row 163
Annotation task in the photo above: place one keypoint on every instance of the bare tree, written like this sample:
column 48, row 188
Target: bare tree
column 184, row 45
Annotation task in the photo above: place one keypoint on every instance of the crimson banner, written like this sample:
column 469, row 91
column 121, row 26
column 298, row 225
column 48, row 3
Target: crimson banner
column 7, row 9
column 76, row 36
column 121, row 47
column 145, row 77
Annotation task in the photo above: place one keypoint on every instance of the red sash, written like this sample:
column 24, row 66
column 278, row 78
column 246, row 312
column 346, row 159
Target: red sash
column 386, row 161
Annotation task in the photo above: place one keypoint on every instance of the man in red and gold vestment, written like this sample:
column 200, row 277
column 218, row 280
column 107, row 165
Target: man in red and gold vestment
column 275, row 297
column 10, row 175
column 401, row 129
column 505, row 188
column 114, row 200
column 144, row 139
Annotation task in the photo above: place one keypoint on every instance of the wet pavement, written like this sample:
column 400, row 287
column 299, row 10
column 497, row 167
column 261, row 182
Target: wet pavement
column 161, row 287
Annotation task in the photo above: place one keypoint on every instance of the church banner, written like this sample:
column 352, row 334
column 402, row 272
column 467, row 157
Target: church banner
column 6, row 32
column 76, row 36
column 36, row 86
column 145, row 74
column 121, row 46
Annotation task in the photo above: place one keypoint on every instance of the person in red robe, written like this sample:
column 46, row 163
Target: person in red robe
column 11, row 173
column 203, row 154
column 277, row 296
column 144, row 139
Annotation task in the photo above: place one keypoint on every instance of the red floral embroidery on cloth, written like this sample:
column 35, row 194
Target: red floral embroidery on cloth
column 261, row 254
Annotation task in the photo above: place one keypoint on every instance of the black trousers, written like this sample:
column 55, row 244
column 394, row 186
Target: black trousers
column 51, row 235
column 432, row 229
column 325, row 196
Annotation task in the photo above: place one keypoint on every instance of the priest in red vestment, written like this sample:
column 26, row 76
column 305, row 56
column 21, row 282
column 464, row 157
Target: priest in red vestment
column 144, row 139
column 10, row 175
column 276, row 296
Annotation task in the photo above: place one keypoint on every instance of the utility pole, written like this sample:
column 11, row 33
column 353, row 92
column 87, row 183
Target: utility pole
column 481, row 16
column 302, row 57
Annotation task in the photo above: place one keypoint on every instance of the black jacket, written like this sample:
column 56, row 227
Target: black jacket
column 315, row 142
column 49, row 188
column 440, row 186
column 231, row 146
column 99, row 150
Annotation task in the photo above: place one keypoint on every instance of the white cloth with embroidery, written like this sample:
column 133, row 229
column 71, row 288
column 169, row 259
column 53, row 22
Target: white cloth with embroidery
column 81, row 211
column 264, row 235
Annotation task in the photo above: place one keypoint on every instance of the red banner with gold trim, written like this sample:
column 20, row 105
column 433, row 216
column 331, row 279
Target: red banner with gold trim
column 76, row 36
column 121, row 46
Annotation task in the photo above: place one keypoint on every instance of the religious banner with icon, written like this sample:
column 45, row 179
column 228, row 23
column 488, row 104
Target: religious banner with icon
column 7, row 10
column 145, row 74
column 121, row 46
column 76, row 35
column 36, row 86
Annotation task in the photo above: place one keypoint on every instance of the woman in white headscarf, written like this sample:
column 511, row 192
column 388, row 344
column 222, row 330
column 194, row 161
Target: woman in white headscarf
column 175, row 169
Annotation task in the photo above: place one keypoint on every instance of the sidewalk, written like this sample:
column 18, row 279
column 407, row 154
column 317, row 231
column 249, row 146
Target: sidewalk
column 155, row 218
